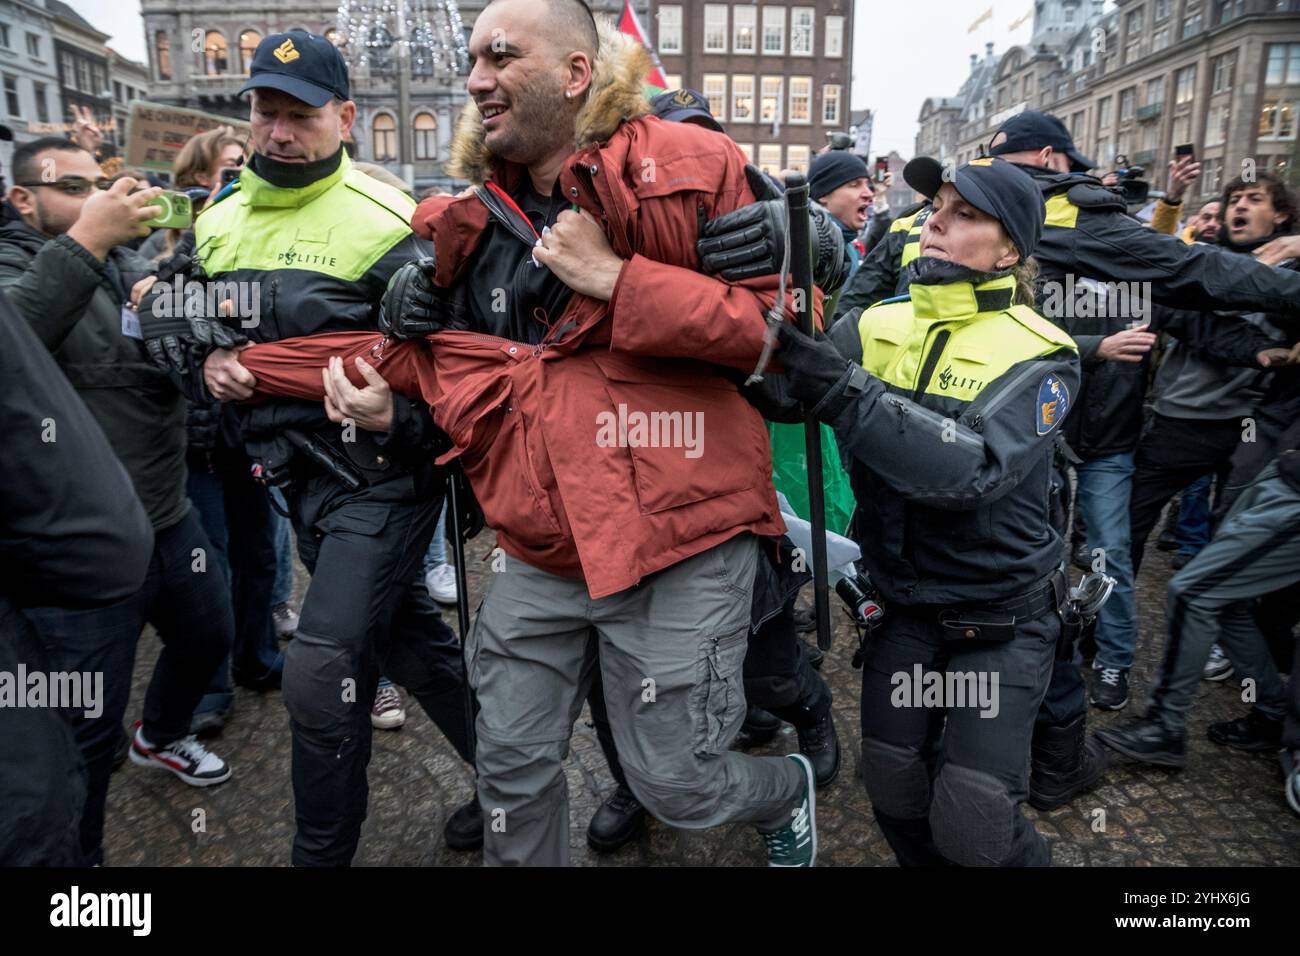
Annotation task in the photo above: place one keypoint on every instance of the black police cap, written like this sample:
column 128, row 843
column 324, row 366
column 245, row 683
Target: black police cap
column 1034, row 130
column 1001, row 189
column 684, row 106
column 305, row 65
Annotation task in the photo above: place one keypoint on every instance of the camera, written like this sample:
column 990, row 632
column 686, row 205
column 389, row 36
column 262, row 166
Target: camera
column 840, row 140
column 177, row 211
column 1132, row 186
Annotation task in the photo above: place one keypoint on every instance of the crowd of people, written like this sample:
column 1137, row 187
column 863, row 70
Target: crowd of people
column 1021, row 372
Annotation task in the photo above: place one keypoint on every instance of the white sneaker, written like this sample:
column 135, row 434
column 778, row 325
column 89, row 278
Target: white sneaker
column 1217, row 667
column 387, row 712
column 187, row 758
column 441, row 582
column 285, row 620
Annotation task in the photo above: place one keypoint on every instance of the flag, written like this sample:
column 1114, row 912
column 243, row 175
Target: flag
column 628, row 23
column 986, row 15
column 1027, row 15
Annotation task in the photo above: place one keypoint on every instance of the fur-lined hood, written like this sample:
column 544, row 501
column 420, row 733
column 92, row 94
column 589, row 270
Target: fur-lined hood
column 616, row 95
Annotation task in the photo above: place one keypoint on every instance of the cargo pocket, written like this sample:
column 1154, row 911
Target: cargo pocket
column 718, row 697
column 356, row 517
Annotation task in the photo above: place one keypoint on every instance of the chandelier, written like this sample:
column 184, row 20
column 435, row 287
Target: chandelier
column 429, row 34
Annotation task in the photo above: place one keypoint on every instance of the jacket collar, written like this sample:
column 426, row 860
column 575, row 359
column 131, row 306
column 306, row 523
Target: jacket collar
column 256, row 191
column 617, row 94
column 969, row 296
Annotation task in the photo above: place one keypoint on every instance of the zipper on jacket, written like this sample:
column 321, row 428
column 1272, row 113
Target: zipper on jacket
column 931, row 360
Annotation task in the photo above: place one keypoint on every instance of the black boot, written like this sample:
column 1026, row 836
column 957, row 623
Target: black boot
column 464, row 829
column 616, row 822
column 1065, row 763
column 821, row 745
column 759, row 726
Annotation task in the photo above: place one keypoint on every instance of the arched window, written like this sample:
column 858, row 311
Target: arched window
column 215, row 53
column 383, row 140
column 381, row 50
column 426, row 136
column 248, row 41
column 163, row 54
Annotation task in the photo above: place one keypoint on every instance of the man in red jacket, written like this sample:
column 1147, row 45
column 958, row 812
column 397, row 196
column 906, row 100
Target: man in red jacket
column 572, row 356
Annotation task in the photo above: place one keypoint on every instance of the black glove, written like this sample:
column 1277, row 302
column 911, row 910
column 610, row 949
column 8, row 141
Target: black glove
column 817, row 374
column 413, row 306
column 175, row 342
column 750, row 242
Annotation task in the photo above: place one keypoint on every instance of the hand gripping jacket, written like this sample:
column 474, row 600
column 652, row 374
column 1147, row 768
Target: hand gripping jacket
column 950, row 440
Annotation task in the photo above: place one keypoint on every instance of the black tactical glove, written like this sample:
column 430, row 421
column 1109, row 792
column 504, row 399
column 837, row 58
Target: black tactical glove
column 413, row 306
column 750, row 242
column 817, row 374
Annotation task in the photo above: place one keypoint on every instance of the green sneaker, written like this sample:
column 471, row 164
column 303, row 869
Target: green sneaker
column 796, row 843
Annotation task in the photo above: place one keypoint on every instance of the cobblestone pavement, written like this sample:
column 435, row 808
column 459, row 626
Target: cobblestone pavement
column 1225, row 808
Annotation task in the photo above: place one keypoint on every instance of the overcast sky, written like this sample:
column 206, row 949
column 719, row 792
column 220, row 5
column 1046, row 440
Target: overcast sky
column 906, row 50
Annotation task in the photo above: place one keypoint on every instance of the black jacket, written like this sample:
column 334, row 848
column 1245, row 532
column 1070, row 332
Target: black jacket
column 73, row 302
column 1088, row 236
column 72, row 534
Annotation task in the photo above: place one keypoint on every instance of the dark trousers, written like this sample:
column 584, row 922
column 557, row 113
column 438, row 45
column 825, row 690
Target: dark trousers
column 365, row 612
column 190, row 609
column 945, row 782
column 777, row 674
column 1173, row 453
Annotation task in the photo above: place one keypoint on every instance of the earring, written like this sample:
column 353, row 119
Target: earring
column 568, row 95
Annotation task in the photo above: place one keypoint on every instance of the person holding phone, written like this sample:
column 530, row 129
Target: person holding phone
column 1183, row 171
column 66, row 272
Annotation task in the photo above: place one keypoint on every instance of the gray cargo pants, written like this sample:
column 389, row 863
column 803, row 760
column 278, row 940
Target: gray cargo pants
column 1255, row 551
column 670, row 652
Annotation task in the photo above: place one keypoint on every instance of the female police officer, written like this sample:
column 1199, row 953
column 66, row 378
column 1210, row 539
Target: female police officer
column 945, row 403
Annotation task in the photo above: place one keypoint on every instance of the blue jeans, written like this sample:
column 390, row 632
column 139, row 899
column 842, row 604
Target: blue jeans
column 437, row 553
column 1193, row 528
column 283, row 588
column 1103, row 497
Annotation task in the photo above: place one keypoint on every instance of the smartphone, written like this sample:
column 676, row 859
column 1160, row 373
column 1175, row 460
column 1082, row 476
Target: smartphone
column 882, row 167
column 229, row 175
column 1187, row 149
column 177, row 211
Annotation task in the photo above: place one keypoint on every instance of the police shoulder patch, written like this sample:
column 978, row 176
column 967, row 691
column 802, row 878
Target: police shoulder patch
column 1053, row 402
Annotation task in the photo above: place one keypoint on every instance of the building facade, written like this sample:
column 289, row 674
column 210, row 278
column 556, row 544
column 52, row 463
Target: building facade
column 29, row 74
column 777, row 75
column 1132, row 84
column 199, row 53
column 82, row 61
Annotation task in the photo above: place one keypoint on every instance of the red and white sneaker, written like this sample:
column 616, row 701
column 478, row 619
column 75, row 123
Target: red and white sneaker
column 187, row 758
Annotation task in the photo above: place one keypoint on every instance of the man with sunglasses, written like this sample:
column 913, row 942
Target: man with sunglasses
column 65, row 269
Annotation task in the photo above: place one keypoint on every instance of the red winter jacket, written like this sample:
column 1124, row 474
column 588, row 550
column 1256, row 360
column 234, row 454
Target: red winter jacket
column 537, row 427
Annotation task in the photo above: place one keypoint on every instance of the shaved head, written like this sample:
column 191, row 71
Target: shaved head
column 568, row 24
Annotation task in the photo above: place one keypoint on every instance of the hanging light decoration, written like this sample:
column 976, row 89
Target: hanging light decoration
column 429, row 32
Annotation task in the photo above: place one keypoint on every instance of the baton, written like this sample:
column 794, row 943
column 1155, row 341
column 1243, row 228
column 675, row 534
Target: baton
column 800, row 246
column 462, row 594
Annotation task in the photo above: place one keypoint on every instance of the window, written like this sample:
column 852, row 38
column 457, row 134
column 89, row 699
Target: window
column 715, row 91
column 1277, row 120
column 67, row 70
column 34, row 45
column 798, row 157
column 1133, row 22
column 1104, row 152
column 744, row 29
column 674, row 81
column 1212, row 169
column 384, row 139
column 1076, row 125
column 801, row 31
column 162, row 55
column 1191, row 21
column 831, row 104
column 1216, row 125
column 834, row 36
column 1159, row 39
column 98, row 81
column 248, row 41
column 771, row 101
column 1029, row 86
column 1161, row 11
column 12, row 106
column 42, row 107
column 1155, row 91
column 801, row 99
column 4, row 35
column 774, row 30
column 1225, row 72
column 1185, row 84
column 1182, row 130
column 216, row 59
column 670, row 28
column 426, row 136
column 769, row 158
column 715, row 28
column 1283, row 64
column 1104, row 113
column 1225, row 10
column 748, row 150
column 83, row 75
column 1126, row 99
column 742, row 99
column 117, row 92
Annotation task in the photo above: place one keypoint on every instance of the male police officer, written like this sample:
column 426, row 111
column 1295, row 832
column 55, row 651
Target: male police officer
column 322, row 240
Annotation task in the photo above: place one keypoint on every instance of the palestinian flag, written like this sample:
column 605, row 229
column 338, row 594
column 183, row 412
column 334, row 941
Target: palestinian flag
column 655, row 81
